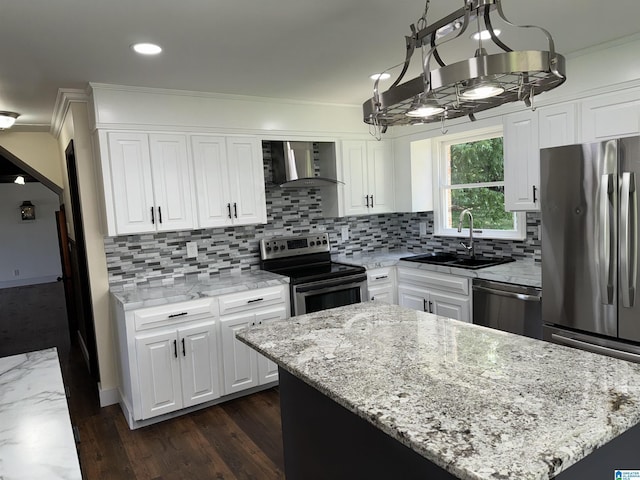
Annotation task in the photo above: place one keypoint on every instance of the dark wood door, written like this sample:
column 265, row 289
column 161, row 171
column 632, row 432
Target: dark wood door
column 67, row 273
column 80, row 268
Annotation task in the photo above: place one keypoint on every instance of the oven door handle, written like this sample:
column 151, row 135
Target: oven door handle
column 325, row 285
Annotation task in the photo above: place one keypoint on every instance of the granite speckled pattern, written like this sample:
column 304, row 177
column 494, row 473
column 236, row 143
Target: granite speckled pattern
column 36, row 439
column 142, row 297
column 522, row 272
column 481, row 403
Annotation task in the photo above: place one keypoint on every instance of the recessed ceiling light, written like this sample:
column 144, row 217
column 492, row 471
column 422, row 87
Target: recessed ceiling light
column 146, row 48
column 381, row 76
column 485, row 35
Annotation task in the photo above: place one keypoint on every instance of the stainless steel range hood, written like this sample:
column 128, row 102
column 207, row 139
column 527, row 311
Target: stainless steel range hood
column 293, row 165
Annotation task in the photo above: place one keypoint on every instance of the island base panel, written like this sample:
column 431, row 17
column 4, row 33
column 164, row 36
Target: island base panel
column 324, row 440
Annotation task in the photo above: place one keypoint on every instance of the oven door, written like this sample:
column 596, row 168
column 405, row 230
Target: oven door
column 316, row 296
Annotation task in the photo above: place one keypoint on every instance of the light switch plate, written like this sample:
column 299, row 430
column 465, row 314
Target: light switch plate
column 192, row 249
column 423, row 229
column 345, row 233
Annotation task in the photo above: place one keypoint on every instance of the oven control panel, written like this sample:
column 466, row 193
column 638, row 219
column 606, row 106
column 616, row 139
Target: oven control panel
column 281, row 247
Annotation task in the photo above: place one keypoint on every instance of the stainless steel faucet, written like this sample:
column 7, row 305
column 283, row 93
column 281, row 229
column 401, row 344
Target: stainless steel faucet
column 470, row 248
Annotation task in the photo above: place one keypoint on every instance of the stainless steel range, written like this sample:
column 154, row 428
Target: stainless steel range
column 317, row 283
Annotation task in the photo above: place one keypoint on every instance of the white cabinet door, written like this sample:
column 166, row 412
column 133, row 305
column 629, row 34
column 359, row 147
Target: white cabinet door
column 521, row 162
column 239, row 361
column 451, row 306
column 382, row 294
column 229, row 178
column 611, row 116
column 368, row 175
column 131, row 182
column 211, row 179
column 413, row 297
column 199, row 363
column 557, row 125
column 159, row 373
column 171, row 182
column 354, row 175
column 267, row 369
column 246, row 179
column 380, row 174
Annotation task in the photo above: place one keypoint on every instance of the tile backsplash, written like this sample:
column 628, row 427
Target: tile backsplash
column 154, row 259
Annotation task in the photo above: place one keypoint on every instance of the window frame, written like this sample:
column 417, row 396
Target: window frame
column 439, row 147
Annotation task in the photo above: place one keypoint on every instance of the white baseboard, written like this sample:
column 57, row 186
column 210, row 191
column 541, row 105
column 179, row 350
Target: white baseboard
column 108, row 396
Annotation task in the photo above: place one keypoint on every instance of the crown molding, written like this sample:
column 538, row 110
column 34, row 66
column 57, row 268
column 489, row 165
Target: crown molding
column 66, row 96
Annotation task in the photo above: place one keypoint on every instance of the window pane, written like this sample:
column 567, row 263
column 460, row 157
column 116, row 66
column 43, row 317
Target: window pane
column 476, row 162
column 487, row 205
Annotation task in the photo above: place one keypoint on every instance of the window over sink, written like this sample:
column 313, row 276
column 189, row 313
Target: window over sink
column 470, row 174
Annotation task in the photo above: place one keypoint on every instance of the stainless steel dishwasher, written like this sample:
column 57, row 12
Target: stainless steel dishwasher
column 509, row 307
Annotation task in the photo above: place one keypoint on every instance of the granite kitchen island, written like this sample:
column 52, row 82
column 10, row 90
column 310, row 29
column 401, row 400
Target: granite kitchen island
column 380, row 391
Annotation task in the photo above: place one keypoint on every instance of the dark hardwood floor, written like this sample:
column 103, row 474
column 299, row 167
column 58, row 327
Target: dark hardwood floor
column 239, row 439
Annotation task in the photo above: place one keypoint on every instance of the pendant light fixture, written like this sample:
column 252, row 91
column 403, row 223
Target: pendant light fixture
column 7, row 119
column 468, row 86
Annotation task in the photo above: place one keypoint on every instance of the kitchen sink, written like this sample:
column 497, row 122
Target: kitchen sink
column 453, row 260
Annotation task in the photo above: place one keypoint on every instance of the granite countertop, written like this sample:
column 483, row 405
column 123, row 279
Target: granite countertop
column 133, row 298
column 480, row 403
column 36, row 439
column 521, row 272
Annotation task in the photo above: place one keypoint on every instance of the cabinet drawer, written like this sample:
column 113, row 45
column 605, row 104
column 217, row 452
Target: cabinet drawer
column 439, row 281
column 154, row 317
column 238, row 302
column 380, row 276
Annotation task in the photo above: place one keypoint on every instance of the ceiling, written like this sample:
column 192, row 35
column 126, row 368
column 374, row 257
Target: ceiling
column 296, row 49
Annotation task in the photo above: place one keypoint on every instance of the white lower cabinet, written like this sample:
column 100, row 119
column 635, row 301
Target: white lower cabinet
column 381, row 284
column 185, row 354
column 178, row 368
column 243, row 366
column 442, row 294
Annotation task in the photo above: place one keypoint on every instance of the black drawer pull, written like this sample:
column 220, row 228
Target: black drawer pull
column 181, row 314
column 255, row 300
column 160, row 214
column 382, row 277
column 183, row 349
column 175, row 348
column 229, row 209
column 153, row 221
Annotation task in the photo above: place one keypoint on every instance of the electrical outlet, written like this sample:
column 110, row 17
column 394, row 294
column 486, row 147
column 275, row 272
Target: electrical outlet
column 423, row 229
column 16, row 273
column 192, row 249
column 345, row 233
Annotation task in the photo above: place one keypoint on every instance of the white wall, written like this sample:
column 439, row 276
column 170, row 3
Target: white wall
column 30, row 247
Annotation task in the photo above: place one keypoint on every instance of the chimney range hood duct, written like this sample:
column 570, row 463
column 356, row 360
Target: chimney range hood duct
column 293, row 165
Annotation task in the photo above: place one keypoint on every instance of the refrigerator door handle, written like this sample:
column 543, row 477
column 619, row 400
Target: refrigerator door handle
column 604, row 247
column 592, row 347
column 628, row 239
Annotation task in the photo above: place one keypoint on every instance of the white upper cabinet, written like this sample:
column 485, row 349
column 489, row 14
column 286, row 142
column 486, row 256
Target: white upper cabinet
column 229, row 180
column 128, row 187
column 171, row 182
column 558, row 125
column 521, row 161
column 611, row 116
column 368, row 175
column 147, row 183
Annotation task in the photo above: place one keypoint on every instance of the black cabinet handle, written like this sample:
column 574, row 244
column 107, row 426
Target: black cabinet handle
column 430, row 307
column 235, row 209
column 229, row 209
column 255, row 300
column 181, row 314
column 175, row 348
column 382, row 277
column 153, row 220
column 184, row 354
column 160, row 214
column 534, row 194
column 371, row 201
column 424, row 305
column 367, row 197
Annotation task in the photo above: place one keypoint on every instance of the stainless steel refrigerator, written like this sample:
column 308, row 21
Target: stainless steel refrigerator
column 589, row 206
